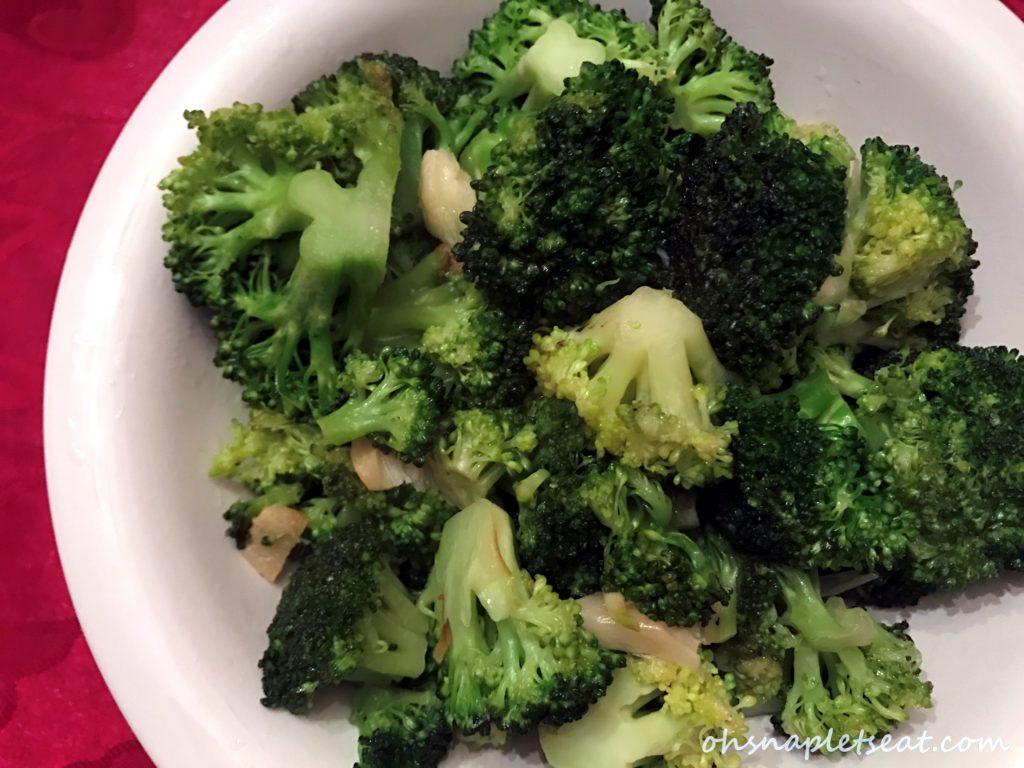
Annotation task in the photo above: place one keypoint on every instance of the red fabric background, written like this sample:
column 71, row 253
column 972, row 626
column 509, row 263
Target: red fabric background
column 71, row 72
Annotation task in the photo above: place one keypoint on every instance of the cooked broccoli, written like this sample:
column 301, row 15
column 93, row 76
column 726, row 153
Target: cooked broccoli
column 437, row 113
column 906, row 260
column 284, row 303
column 344, row 615
column 511, row 654
column 559, row 535
column 523, row 54
column 948, row 428
column 400, row 728
column 756, row 650
column 646, row 381
column 805, row 490
column 572, row 211
column 758, row 227
column 482, row 447
column 282, row 462
column 706, row 71
column 446, row 316
column 410, row 526
column 393, row 398
column 663, row 571
column 851, row 675
column 654, row 713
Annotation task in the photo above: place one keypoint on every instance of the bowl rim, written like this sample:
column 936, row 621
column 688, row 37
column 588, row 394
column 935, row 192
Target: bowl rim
column 74, row 480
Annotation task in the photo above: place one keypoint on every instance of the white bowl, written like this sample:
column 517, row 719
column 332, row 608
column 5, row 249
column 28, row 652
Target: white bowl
column 134, row 409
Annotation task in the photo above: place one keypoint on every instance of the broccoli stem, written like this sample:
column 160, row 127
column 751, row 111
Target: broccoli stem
column 824, row 629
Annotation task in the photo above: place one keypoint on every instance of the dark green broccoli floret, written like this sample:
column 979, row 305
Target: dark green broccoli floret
column 561, row 434
column 511, row 654
column 343, row 615
column 400, row 729
column 572, row 211
column 805, row 491
column 948, row 428
column 444, row 313
column 758, row 226
column 393, row 398
column 646, row 382
column 482, row 447
column 906, row 260
column 410, row 528
column 706, row 71
column 269, row 229
column 663, row 571
column 559, row 535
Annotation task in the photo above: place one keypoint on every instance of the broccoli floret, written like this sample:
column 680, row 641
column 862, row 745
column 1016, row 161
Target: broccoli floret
column 269, row 230
column 523, row 54
column 758, row 226
column 645, row 380
column 410, row 528
column 559, row 535
column 654, row 713
column 851, row 675
column 344, row 615
column 572, row 211
column 482, row 447
column 756, row 654
column 906, row 259
column 663, row 571
column 511, row 655
column 436, row 113
column 285, row 463
column 444, row 313
column 805, row 490
column 948, row 429
column 394, row 398
column 703, row 69
column 400, row 728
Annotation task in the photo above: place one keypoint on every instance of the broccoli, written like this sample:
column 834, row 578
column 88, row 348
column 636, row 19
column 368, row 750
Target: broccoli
column 757, row 230
column 511, row 655
column 400, row 728
column 482, row 447
column 654, row 713
column 756, row 652
column 663, row 571
column 558, row 534
column 835, row 668
column 573, row 209
column 948, row 429
column 285, row 463
column 269, row 229
column 805, row 490
column 394, row 398
column 410, row 526
column 906, row 259
column 523, row 54
column 344, row 615
column 850, row 675
column 703, row 69
column 645, row 380
column 437, row 113
column 445, row 315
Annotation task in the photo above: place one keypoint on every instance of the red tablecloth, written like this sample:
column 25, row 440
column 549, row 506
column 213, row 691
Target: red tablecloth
column 70, row 73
